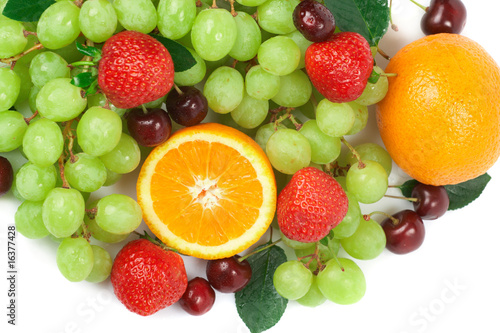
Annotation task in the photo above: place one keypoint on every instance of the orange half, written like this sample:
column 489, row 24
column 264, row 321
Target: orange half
column 209, row 191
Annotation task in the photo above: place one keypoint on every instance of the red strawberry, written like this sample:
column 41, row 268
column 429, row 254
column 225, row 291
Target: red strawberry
column 135, row 69
column 310, row 205
column 147, row 278
column 340, row 67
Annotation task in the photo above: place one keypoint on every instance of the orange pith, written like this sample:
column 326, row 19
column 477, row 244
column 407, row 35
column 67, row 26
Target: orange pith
column 209, row 191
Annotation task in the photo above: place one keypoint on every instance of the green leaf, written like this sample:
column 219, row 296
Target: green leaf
column 26, row 10
column 370, row 18
column 258, row 304
column 407, row 187
column 374, row 77
column 182, row 58
column 89, row 51
column 464, row 193
column 83, row 80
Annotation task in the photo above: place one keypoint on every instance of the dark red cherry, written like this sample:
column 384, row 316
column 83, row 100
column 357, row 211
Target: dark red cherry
column 314, row 20
column 187, row 108
column 198, row 298
column 444, row 16
column 228, row 275
column 149, row 128
column 6, row 175
column 406, row 235
column 432, row 201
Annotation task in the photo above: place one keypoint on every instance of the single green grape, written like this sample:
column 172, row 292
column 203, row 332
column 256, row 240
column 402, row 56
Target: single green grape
column 34, row 183
column 314, row 297
column 32, row 98
column 97, row 232
column 193, row 75
column 288, row 151
column 118, row 214
column 251, row 112
column 213, row 33
column 101, row 268
column 10, row 86
column 29, row 222
column 176, row 17
column 261, row 84
column 368, row 182
column 295, row 90
column 296, row 245
column 248, row 38
column 23, row 72
column 264, row 133
column 59, row 25
column 43, row 142
column 224, row 89
column 302, row 43
column 75, row 258
column 98, row 20
column 292, row 280
column 86, row 173
column 251, row 3
column 125, row 157
column 367, row 242
column 99, row 131
column 59, row 100
column 373, row 152
column 99, row 99
column 343, row 284
column 279, row 55
column 324, row 148
column 350, row 222
column 275, row 16
column 137, row 15
column 63, row 211
column 13, row 128
column 361, row 118
column 46, row 66
column 374, row 92
column 12, row 39
column 112, row 178
column 334, row 119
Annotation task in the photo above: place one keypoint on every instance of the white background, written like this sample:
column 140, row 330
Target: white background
column 451, row 284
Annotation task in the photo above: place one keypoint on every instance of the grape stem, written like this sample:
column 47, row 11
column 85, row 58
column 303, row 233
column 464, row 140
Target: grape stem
column 394, row 220
column 361, row 165
column 27, row 120
column 26, row 33
column 214, row 4
column 78, row 3
column 91, row 213
column 233, row 12
column 12, row 60
column 86, row 232
column 65, row 183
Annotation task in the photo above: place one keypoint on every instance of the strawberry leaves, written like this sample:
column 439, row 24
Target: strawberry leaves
column 370, row 18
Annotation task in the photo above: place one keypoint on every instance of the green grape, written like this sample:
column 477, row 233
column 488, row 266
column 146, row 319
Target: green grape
column 176, row 17
column 213, row 33
column 296, row 245
column 261, row 84
column 342, row 285
column 325, row 252
column 157, row 103
column 118, row 214
column 351, row 220
column 275, row 16
column 111, row 178
column 100, row 100
column 324, row 148
column 70, row 53
column 34, row 183
column 97, row 232
column 86, row 174
column 137, row 15
column 75, row 258
column 12, row 39
column 248, row 38
column 32, row 98
column 251, row 112
column 10, row 86
column 46, row 66
column 367, row 242
column 314, row 297
column 43, row 142
column 295, row 90
column 368, row 183
column 99, row 131
column 101, row 268
column 302, row 43
column 342, row 181
column 288, row 151
column 59, row 100
column 264, row 133
column 251, row 3
column 361, row 118
column 193, row 75
column 23, row 72
column 374, row 92
column 224, row 89
column 29, row 222
column 63, row 211
column 98, row 20
column 372, row 152
column 59, row 26
column 13, row 128
column 279, row 55
column 292, row 280
column 125, row 157
column 334, row 119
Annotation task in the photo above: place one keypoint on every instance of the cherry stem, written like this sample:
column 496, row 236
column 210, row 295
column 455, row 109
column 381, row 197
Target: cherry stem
column 419, row 5
column 179, row 91
column 403, row 198
column 259, row 250
column 144, row 109
column 383, row 54
column 394, row 220
column 393, row 26
column 361, row 165
column 27, row 120
column 12, row 60
column 337, row 261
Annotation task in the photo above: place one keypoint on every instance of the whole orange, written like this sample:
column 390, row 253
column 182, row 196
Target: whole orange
column 440, row 119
